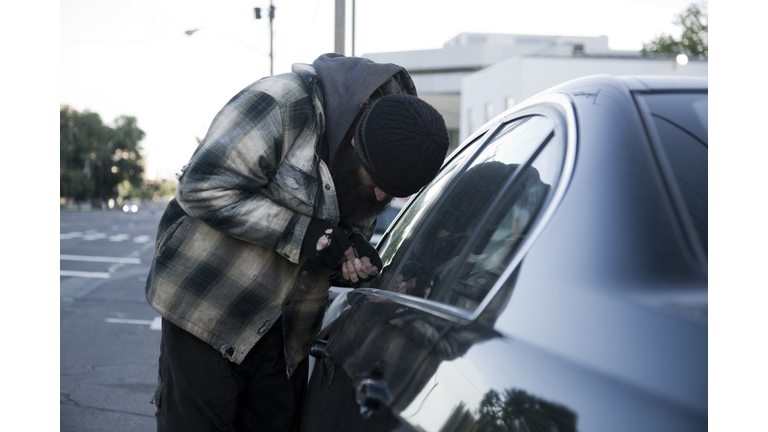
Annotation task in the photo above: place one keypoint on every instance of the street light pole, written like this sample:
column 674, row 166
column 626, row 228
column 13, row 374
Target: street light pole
column 353, row 28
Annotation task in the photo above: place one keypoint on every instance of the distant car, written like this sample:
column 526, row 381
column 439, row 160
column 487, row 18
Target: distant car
column 553, row 277
column 131, row 206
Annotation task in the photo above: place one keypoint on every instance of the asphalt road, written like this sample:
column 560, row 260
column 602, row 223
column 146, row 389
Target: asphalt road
column 109, row 335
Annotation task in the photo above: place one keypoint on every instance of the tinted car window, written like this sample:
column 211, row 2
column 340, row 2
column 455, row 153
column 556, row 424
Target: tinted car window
column 681, row 122
column 460, row 247
column 419, row 206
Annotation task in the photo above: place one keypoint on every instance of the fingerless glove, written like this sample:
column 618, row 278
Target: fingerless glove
column 324, row 243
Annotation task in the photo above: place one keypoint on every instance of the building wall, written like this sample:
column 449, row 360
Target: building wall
column 476, row 71
column 441, row 70
column 522, row 77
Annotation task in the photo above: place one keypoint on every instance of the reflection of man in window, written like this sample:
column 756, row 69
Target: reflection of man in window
column 437, row 253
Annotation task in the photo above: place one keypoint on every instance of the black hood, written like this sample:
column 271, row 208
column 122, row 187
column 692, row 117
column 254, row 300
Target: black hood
column 346, row 83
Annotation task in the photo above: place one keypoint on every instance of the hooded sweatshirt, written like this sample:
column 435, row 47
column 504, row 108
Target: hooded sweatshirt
column 346, row 83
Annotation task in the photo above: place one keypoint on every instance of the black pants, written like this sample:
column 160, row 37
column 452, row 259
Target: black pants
column 200, row 390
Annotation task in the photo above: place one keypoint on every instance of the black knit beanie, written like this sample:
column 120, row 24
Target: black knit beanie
column 402, row 141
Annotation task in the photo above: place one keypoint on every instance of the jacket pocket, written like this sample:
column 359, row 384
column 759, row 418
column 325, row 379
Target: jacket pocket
column 172, row 239
column 293, row 184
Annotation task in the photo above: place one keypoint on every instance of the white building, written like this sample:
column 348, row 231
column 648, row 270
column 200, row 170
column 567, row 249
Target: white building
column 476, row 76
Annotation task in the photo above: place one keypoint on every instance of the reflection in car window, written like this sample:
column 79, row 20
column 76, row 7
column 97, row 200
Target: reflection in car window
column 681, row 121
column 420, row 205
column 462, row 246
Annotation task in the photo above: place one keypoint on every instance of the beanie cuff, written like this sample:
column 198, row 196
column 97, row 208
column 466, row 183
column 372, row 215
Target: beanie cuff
column 380, row 183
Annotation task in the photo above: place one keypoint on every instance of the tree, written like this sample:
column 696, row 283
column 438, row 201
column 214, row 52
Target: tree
column 96, row 158
column 75, row 184
column 694, row 38
column 518, row 411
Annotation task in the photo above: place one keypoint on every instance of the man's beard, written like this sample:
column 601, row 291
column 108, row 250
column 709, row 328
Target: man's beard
column 356, row 200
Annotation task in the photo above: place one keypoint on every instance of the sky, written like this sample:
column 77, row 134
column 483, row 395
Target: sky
column 134, row 58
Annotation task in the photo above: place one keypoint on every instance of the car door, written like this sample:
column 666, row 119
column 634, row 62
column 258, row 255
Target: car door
column 450, row 264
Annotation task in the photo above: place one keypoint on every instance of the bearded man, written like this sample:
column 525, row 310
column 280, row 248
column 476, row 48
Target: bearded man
column 283, row 190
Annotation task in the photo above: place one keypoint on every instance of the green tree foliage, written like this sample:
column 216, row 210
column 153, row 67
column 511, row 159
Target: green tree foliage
column 159, row 189
column 75, row 184
column 694, row 38
column 96, row 158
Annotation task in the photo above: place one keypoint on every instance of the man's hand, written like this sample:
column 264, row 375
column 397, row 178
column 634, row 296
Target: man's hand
column 361, row 261
column 403, row 285
column 325, row 243
column 407, row 282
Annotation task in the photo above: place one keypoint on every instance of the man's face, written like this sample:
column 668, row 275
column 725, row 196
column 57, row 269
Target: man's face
column 358, row 195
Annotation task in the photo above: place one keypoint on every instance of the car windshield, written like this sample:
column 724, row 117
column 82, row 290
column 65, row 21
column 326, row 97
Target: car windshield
column 681, row 121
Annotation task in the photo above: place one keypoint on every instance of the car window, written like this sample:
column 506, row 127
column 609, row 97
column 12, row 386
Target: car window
column 681, row 122
column 463, row 243
column 420, row 205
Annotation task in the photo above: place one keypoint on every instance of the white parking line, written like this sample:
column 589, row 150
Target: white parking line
column 119, row 237
column 155, row 324
column 127, row 321
column 94, row 236
column 121, row 260
column 101, row 275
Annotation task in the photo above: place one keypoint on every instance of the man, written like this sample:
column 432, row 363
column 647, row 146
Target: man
column 284, row 189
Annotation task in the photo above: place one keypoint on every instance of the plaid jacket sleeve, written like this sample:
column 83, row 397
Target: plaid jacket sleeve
column 228, row 181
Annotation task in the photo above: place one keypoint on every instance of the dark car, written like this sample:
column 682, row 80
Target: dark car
column 553, row 277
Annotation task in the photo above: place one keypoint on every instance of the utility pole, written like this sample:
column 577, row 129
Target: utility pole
column 353, row 28
column 339, row 27
column 271, row 55
column 257, row 12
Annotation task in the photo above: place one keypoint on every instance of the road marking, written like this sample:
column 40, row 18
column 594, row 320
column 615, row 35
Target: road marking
column 128, row 321
column 101, row 275
column 94, row 236
column 155, row 324
column 120, row 260
column 142, row 239
column 119, row 237
column 70, row 235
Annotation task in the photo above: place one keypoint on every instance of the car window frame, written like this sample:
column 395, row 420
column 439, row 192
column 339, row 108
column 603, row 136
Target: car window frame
column 559, row 107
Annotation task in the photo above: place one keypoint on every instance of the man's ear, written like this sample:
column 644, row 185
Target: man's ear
column 353, row 141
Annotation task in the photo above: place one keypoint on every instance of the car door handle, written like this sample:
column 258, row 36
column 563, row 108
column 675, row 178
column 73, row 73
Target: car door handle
column 371, row 394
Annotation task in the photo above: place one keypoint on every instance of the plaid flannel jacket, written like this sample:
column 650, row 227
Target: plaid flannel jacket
column 227, row 258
